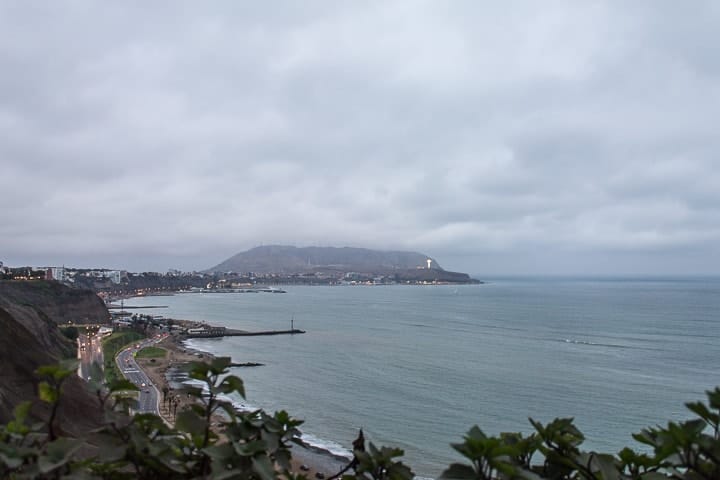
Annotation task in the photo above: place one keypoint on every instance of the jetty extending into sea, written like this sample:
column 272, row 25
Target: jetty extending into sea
column 215, row 332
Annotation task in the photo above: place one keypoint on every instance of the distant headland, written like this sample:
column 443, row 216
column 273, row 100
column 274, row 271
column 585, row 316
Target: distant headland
column 345, row 264
column 255, row 269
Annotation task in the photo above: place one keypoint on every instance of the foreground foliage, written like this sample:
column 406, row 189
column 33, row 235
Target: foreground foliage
column 256, row 445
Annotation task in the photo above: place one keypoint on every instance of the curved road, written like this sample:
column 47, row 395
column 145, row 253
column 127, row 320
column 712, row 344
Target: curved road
column 148, row 395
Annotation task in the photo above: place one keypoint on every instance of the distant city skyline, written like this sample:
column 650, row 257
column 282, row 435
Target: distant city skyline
column 541, row 138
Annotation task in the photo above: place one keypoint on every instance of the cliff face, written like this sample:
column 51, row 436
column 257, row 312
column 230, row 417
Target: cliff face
column 29, row 337
column 56, row 302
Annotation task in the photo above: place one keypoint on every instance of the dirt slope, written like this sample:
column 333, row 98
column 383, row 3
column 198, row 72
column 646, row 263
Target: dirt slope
column 30, row 337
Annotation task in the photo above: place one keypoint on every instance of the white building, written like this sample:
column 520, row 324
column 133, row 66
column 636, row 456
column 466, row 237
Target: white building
column 114, row 276
column 58, row 273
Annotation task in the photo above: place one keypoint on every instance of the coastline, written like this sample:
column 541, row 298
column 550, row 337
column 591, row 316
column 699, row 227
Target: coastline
column 322, row 451
column 307, row 458
column 514, row 333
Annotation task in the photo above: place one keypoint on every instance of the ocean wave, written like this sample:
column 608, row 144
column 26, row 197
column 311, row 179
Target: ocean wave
column 593, row 344
column 320, row 446
column 309, row 441
column 241, row 406
column 191, row 344
column 422, row 325
column 326, row 447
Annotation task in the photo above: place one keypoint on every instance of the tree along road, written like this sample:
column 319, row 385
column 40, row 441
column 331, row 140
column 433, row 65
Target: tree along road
column 148, row 396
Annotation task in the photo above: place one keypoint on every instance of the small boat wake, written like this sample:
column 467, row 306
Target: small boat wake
column 593, row 344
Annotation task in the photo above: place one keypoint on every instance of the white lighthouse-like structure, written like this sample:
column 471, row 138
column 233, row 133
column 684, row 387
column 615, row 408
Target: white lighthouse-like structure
column 429, row 261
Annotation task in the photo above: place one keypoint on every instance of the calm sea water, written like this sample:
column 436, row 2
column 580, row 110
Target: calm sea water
column 416, row 367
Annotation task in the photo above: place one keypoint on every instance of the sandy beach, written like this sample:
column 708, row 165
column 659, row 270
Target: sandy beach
column 177, row 355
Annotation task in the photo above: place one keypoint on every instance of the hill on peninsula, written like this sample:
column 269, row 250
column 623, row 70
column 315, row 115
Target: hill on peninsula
column 287, row 260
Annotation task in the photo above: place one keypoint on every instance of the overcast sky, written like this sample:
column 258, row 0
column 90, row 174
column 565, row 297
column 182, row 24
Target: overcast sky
column 519, row 137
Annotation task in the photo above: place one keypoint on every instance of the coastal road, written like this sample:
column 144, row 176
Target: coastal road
column 89, row 352
column 148, row 394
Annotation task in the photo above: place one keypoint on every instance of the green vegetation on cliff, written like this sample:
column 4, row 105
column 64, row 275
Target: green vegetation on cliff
column 152, row 352
column 111, row 346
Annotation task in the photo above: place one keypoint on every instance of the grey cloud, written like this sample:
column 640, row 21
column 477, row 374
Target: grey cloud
column 175, row 134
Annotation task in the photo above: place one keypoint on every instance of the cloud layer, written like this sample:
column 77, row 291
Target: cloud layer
column 521, row 138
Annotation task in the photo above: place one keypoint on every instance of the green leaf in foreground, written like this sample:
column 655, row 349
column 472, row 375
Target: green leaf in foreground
column 58, row 452
column 255, row 445
column 47, row 392
column 122, row 385
column 231, row 384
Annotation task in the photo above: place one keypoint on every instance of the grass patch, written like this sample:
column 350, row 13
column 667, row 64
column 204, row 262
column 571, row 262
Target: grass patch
column 111, row 346
column 152, row 352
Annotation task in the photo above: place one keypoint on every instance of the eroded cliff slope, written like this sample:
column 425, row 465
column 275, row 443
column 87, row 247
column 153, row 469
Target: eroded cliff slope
column 29, row 337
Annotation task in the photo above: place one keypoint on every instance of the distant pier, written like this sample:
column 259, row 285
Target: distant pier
column 240, row 333
column 126, row 307
column 218, row 332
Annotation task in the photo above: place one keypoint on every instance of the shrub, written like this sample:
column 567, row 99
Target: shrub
column 256, row 445
column 70, row 332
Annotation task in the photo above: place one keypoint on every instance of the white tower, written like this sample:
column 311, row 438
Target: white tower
column 429, row 261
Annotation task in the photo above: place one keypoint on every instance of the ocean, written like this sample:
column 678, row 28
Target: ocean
column 417, row 366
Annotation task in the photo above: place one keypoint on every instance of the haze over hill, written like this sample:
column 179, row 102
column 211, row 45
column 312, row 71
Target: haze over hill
column 283, row 259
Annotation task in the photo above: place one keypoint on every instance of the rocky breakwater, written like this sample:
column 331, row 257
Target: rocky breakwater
column 29, row 316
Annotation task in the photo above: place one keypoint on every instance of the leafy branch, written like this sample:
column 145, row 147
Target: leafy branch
column 211, row 440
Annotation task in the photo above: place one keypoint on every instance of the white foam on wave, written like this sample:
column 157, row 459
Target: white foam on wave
column 326, row 445
column 309, row 439
column 579, row 342
column 333, row 448
column 241, row 406
column 594, row 344
column 193, row 345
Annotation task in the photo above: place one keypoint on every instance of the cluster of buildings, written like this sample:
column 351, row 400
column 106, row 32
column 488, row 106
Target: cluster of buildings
column 159, row 323
column 21, row 273
column 61, row 274
column 120, row 282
